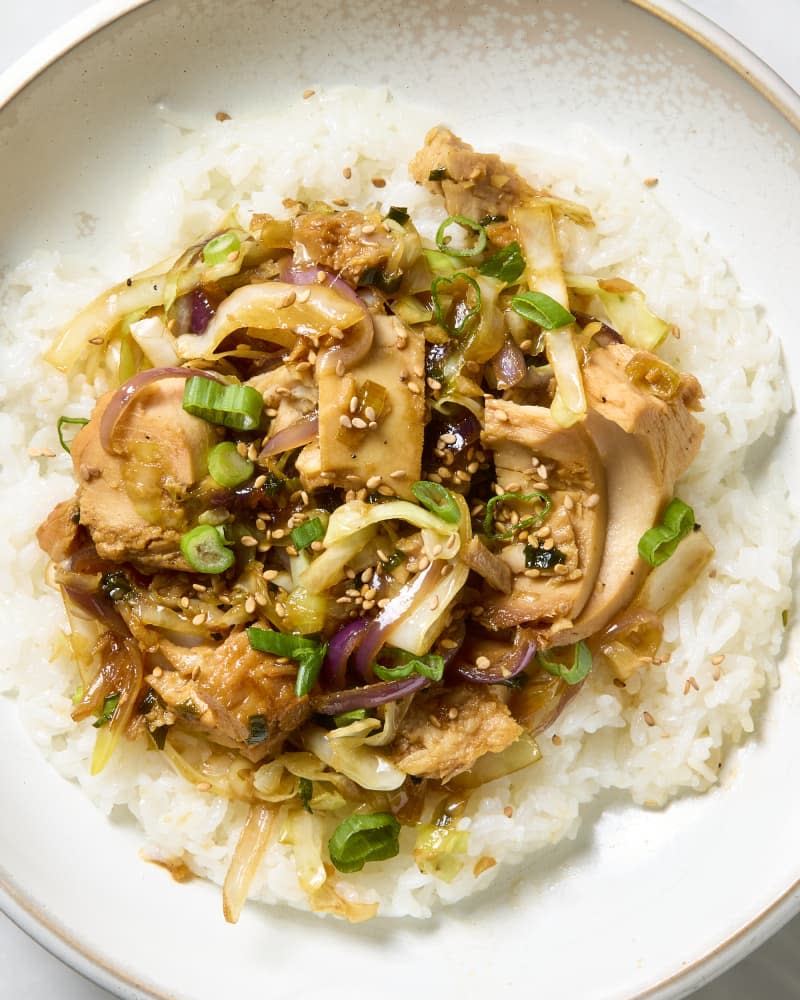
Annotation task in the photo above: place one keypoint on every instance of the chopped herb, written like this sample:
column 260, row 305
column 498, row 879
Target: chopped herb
column 388, row 283
column 304, row 534
column 205, row 550
column 443, row 240
column 159, row 736
column 438, row 500
column 115, row 585
column 364, row 837
column 110, row 703
column 397, row 558
column 524, row 523
column 398, row 214
column 65, row 422
column 439, row 174
column 507, row 265
column 235, row 406
column 259, row 730
column 309, row 654
column 345, row 718
column 305, row 790
column 463, row 313
column 218, row 249
column 658, row 544
column 573, row 674
column 227, row 467
column 431, row 665
column 537, row 557
column 542, row 310
column 272, row 484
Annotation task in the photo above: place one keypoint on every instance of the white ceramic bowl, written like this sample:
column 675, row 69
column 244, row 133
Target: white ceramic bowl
column 644, row 904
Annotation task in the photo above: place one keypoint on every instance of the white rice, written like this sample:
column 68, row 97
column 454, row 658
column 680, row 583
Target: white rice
column 604, row 741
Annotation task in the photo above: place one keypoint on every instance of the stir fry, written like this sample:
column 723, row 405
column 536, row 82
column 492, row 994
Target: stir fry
column 360, row 510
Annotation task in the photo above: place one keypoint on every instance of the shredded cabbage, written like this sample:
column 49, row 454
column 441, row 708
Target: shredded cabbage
column 624, row 307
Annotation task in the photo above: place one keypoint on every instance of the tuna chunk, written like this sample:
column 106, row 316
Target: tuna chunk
column 131, row 502
column 531, row 452
column 472, row 184
column 222, row 689
column 338, row 240
column 446, row 730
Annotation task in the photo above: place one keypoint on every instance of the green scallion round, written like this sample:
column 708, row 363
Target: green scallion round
column 218, row 249
column 364, row 837
column 205, row 550
column 227, row 467
column 465, row 223
column 235, row 406
column 438, row 500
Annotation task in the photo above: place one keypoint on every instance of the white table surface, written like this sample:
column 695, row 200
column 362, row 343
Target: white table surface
column 771, row 29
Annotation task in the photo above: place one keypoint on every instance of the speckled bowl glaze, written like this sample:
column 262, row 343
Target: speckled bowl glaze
column 644, row 904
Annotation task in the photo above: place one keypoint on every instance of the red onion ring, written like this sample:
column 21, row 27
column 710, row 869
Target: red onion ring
column 357, row 346
column 379, row 631
column 294, row 436
column 369, row 696
column 341, row 648
column 505, row 662
column 126, row 393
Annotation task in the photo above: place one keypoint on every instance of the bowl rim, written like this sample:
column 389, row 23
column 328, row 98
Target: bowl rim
column 28, row 915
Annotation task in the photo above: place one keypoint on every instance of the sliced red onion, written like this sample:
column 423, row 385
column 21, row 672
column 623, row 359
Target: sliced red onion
column 202, row 311
column 294, row 436
column 369, row 696
column 126, row 393
column 359, row 337
column 309, row 275
column 505, row 662
column 341, row 648
column 380, row 628
column 508, row 365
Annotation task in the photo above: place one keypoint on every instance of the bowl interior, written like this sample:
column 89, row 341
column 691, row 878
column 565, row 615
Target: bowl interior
column 641, row 896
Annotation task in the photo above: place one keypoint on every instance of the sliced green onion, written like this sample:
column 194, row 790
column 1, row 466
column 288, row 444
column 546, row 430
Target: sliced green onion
column 397, row 558
column 235, row 406
column 305, row 789
column 527, row 522
column 110, row 703
column 64, row 422
column 205, row 550
column 465, row 223
column 464, row 315
column 537, row 557
column 507, row 265
column 218, row 250
column 658, row 544
column 364, row 837
column 574, row 674
column 227, row 467
column 304, row 534
column 438, row 500
column 542, row 310
column 259, row 730
column 398, row 214
column 431, row 665
column 439, row 174
column 346, row 718
column 308, row 652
